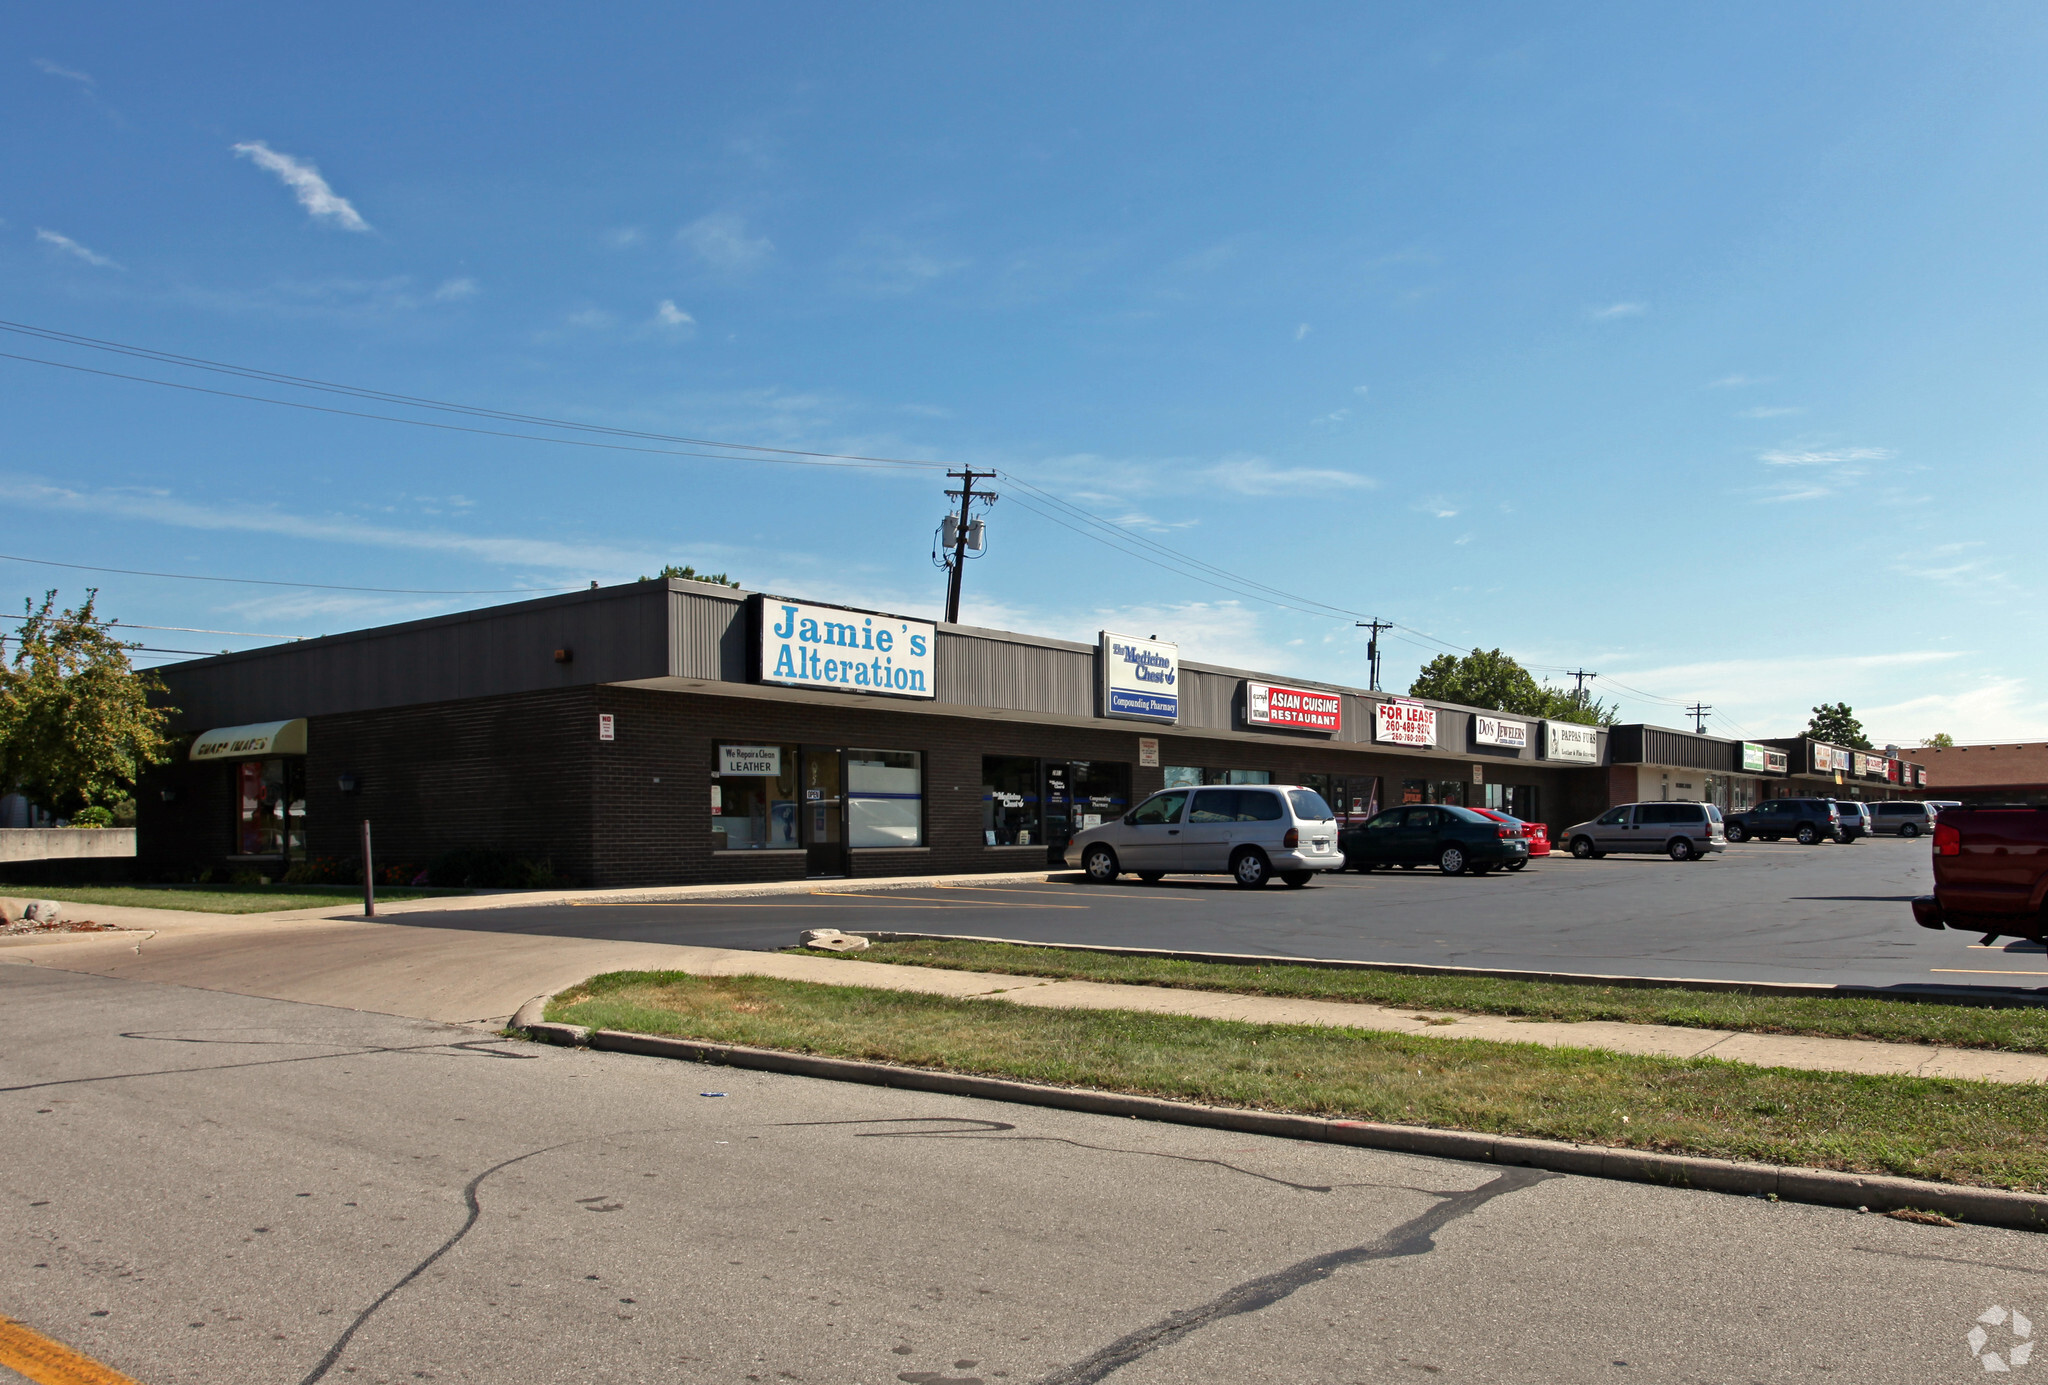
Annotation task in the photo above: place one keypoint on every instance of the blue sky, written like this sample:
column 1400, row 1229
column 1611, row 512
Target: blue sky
column 1702, row 348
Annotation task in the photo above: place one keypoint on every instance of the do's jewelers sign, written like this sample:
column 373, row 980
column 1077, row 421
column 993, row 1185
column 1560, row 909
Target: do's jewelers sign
column 1140, row 678
column 1404, row 723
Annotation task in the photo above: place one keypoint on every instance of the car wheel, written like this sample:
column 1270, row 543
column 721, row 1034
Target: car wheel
column 1295, row 879
column 1582, row 849
column 1251, row 869
column 1100, row 864
column 1451, row 860
column 1682, row 849
column 1736, row 834
column 1808, row 836
column 1151, row 877
column 1516, row 865
column 1911, row 829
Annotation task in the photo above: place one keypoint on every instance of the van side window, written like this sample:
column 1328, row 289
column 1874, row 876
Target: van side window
column 1214, row 805
column 1614, row 816
column 1253, row 806
column 1656, row 814
column 1157, row 812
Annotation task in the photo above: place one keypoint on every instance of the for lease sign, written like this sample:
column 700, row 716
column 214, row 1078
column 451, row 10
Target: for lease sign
column 1404, row 723
column 1270, row 704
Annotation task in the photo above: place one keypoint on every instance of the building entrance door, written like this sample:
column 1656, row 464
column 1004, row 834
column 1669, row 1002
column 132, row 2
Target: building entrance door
column 823, row 814
column 1059, row 808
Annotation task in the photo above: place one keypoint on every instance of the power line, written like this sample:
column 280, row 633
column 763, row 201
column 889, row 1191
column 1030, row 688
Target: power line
column 310, row 586
column 195, row 630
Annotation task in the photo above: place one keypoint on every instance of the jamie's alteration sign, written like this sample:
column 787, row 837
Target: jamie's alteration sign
column 1270, row 704
column 1140, row 678
column 805, row 646
column 1404, row 723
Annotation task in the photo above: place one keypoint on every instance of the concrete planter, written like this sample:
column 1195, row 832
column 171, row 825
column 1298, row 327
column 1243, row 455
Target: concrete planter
column 65, row 843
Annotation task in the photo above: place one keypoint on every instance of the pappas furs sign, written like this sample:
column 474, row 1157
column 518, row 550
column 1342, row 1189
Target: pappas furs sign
column 1140, row 678
column 1404, row 723
column 1494, row 731
column 805, row 646
column 1568, row 740
column 1270, row 704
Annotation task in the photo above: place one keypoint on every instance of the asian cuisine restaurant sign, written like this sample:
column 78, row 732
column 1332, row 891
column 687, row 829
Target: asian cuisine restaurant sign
column 1404, row 723
column 1270, row 704
column 805, row 646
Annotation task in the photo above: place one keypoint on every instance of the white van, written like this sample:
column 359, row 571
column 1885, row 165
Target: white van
column 1249, row 832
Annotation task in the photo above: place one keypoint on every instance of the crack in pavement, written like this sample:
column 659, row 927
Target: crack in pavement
column 1416, row 1236
column 1950, row 1260
column 472, row 1048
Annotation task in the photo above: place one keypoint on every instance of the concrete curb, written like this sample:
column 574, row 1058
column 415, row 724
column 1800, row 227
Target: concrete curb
column 1980, row 1206
column 1989, row 996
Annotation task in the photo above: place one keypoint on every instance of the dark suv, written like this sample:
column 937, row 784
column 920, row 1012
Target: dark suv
column 1809, row 821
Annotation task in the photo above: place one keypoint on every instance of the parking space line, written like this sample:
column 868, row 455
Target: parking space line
column 1087, row 890
column 942, row 903
column 1985, row 971
column 49, row 1362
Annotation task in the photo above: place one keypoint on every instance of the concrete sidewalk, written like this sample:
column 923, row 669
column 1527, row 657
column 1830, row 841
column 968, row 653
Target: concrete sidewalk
column 464, row 976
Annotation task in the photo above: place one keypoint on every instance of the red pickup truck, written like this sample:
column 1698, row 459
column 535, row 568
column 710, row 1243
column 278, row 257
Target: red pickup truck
column 1990, row 872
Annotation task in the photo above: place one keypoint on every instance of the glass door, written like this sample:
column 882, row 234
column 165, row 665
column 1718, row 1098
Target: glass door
column 823, row 811
column 1059, row 808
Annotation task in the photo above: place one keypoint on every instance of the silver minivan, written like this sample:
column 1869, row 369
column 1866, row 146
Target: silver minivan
column 1901, row 819
column 1682, row 831
column 1249, row 832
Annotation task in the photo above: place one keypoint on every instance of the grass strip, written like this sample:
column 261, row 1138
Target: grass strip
column 211, row 899
column 1934, row 1128
column 2021, row 1029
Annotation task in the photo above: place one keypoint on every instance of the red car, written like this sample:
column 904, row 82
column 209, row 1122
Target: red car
column 1537, row 835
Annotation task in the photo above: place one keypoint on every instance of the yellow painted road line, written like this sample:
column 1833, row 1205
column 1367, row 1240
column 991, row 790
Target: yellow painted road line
column 1986, row 971
column 803, row 903
column 1006, row 889
column 48, row 1362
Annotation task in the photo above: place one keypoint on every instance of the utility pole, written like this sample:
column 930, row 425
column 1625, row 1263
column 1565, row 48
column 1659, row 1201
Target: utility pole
column 1582, row 675
column 1698, row 711
column 1372, row 649
column 966, row 495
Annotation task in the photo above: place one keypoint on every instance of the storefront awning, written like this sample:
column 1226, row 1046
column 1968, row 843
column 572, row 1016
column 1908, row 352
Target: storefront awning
column 249, row 742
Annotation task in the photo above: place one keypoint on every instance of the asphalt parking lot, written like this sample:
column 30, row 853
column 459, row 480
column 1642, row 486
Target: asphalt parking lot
column 1761, row 911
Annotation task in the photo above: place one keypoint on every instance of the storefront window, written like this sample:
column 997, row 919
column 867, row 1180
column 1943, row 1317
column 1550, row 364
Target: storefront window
column 270, row 807
column 1447, row 791
column 1009, row 801
column 1186, row 776
column 1102, row 790
column 1182, row 776
column 1415, row 791
column 754, row 798
column 1349, row 796
column 885, row 798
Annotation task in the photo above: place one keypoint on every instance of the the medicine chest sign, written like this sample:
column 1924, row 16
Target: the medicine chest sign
column 805, row 646
column 1140, row 678
column 1404, row 723
column 1270, row 704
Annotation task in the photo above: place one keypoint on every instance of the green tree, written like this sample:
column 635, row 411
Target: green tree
column 1940, row 740
column 76, row 724
column 1492, row 679
column 1835, row 723
column 690, row 574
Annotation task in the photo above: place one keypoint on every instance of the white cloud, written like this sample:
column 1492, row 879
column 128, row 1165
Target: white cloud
column 455, row 290
column 1437, row 507
column 591, row 319
column 1462, row 540
column 1774, row 696
column 1738, row 380
column 599, row 560
column 1830, row 457
column 71, row 247
column 1779, row 412
column 319, row 200
column 1361, row 390
column 1257, row 476
column 625, row 237
column 1302, row 330
column 68, row 74
column 669, row 315
column 1334, row 416
column 721, row 241
column 885, row 265
column 1614, row 310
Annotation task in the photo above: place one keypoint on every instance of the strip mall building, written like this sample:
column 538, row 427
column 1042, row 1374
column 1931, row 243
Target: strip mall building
column 673, row 732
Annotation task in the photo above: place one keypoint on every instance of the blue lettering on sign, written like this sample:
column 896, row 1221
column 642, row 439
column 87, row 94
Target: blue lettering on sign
column 795, row 661
column 1144, row 704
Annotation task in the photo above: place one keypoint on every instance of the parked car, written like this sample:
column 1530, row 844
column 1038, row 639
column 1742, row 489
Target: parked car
column 1534, row 833
column 1806, row 820
column 1990, row 872
column 1856, row 819
column 1250, row 834
column 1682, row 831
column 1455, row 840
column 1902, row 819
